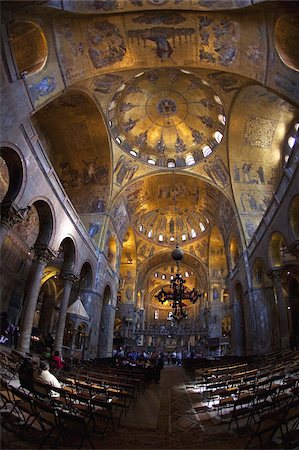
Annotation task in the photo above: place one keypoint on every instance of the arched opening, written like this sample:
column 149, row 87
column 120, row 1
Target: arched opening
column 83, row 161
column 277, row 250
column 112, row 253
column 226, row 328
column 234, row 251
column 11, row 176
column 29, row 46
column 258, row 273
column 68, row 333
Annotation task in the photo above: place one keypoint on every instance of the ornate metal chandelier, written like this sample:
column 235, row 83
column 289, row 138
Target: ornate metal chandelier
column 178, row 291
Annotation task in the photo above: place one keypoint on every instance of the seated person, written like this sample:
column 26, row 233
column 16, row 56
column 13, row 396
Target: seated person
column 57, row 362
column 26, row 374
column 44, row 376
column 46, row 353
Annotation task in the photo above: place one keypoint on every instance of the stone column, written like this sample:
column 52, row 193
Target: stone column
column 238, row 330
column 43, row 257
column 68, row 280
column 11, row 216
column 282, row 310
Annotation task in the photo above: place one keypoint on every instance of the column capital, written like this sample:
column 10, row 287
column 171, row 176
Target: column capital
column 11, row 215
column 45, row 254
column 68, row 277
column 278, row 275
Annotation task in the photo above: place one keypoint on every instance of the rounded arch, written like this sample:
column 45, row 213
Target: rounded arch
column 15, row 169
column 294, row 216
column 46, row 223
column 253, row 178
column 29, row 46
column 234, row 250
column 84, row 164
column 86, row 276
column 276, row 248
column 164, row 258
column 286, row 35
column 69, row 254
column 107, row 295
column 112, row 252
column 258, row 272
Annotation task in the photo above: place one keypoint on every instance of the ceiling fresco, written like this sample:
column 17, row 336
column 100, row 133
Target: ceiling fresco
column 116, row 6
column 89, row 46
column 164, row 129
column 76, row 140
column 166, row 209
column 167, row 118
column 256, row 167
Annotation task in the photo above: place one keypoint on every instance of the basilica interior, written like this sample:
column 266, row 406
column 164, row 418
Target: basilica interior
column 129, row 129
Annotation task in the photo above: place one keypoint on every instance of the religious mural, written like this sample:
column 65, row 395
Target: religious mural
column 166, row 115
column 124, row 170
column 257, row 165
column 120, row 218
column 113, row 6
column 28, row 229
column 87, row 46
column 181, row 215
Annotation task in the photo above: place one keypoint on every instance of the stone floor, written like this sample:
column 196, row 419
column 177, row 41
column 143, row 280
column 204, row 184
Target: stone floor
column 169, row 415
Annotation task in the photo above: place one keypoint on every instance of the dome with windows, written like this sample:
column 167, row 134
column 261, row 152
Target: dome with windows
column 167, row 117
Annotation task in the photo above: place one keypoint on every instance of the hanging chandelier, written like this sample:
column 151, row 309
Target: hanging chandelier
column 178, row 291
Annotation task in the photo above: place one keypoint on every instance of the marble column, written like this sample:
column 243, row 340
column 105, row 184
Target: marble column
column 68, row 280
column 238, row 330
column 43, row 257
column 276, row 276
column 11, row 216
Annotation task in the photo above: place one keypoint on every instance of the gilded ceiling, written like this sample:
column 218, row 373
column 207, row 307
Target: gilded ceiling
column 167, row 117
column 165, row 209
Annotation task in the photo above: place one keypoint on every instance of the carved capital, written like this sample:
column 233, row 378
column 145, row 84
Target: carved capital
column 45, row 255
column 278, row 275
column 68, row 278
column 10, row 215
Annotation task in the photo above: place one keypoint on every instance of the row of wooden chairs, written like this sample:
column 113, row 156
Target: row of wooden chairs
column 68, row 416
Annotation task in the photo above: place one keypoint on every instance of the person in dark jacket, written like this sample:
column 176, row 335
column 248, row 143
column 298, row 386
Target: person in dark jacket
column 26, row 374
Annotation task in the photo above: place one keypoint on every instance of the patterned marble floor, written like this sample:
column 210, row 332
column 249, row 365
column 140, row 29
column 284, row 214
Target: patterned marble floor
column 168, row 415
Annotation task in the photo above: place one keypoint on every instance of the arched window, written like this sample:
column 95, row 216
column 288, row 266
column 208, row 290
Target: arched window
column 80, row 336
column 68, row 334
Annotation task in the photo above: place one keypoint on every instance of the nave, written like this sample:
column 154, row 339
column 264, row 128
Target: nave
column 241, row 405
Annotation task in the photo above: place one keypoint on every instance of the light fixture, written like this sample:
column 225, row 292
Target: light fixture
column 178, row 292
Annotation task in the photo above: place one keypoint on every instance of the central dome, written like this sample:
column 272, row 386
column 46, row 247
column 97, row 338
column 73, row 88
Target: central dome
column 167, row 117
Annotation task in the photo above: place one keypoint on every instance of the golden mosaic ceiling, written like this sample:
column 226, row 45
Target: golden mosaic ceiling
column 167, row 209
column 167, row 117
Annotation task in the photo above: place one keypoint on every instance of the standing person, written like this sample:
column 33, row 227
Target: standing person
column 179, row 356
column 173, row 357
